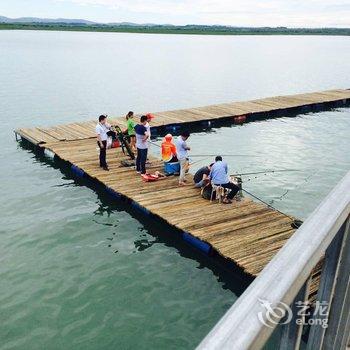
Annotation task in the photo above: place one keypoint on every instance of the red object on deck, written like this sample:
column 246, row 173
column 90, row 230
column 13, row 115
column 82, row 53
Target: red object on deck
column 115, row 144
column 149, row 177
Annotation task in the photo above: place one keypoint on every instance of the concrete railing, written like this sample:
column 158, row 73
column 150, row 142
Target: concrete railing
column 277, row 295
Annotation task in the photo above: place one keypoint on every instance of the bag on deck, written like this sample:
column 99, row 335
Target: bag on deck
column 206, row 192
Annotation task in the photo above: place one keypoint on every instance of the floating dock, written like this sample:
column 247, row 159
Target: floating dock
column 235, row 112
column 246, row 232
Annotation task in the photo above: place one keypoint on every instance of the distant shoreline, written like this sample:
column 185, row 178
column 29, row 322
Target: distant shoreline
column 163, row 29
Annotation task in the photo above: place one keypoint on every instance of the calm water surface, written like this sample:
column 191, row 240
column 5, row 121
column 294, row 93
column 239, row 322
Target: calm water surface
column 78, row 272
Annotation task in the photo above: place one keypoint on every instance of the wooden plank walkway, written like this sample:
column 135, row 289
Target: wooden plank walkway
column 271, row 105
column 246, row 232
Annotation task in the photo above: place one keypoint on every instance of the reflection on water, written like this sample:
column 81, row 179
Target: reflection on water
column 143, row 244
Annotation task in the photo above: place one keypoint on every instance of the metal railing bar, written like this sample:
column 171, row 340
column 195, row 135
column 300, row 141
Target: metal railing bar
column 325, row 292
column 336, row 334
column 291, row 332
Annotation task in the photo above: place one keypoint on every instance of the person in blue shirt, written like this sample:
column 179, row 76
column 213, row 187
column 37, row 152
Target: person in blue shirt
column 142, row 137
column 219, row 177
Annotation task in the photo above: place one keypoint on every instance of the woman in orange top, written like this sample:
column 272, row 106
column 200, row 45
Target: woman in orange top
column 168, row 149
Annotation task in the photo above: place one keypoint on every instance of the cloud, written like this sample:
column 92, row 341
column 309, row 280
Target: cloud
column 233, row 12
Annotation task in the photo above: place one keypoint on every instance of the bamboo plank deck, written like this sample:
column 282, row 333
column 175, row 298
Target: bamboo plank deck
column 84, row 130
column 246, row 232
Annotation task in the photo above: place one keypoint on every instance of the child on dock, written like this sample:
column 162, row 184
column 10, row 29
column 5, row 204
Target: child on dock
column 182, row 155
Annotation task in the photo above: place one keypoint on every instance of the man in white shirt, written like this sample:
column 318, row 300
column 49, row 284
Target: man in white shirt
column 182, row 155
column 102, row 132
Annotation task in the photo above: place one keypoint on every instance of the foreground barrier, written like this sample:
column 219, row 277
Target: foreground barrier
column 278, row 296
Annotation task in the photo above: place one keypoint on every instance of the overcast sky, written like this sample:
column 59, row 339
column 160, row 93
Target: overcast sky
column 291, row 13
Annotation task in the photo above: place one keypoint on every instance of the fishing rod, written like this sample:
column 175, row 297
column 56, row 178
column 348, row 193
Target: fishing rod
column 262, row 201
column 265, row 172
column 223, row 155
column 199, row 160
column 295, row 224
column 153, row 143
column 211, row 155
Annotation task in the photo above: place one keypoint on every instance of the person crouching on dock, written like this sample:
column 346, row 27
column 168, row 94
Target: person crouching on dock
column 142, row 137
column 201, row 177
column 182, row 154
column 219, row 177
column 103, row 130
column 168, row 150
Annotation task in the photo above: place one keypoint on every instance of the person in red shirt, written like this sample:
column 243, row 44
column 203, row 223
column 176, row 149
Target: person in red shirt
column 168, row 149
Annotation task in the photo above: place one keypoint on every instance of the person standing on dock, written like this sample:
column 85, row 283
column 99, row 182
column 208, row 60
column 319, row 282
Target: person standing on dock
column 219, row 177
column 147, row 125
column 142, row 137
column 102, row 132
column 130, row 125
column 182, row 155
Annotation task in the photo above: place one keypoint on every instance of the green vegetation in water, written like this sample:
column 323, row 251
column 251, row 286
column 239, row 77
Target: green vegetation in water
column 170, row 29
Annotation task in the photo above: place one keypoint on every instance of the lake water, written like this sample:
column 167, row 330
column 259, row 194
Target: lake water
column 77, row 271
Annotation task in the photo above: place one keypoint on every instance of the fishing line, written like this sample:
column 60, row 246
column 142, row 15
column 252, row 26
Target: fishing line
column 153, row 143
column 265, row 172
column 223, row 155
column 296, row 187
column 296, row 222
column 198, row 161
column 211, row 155
column 261, row 173
column 269, row 205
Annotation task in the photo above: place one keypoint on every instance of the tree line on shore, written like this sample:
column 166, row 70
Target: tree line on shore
column 172, row 29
